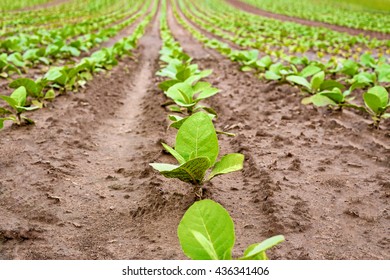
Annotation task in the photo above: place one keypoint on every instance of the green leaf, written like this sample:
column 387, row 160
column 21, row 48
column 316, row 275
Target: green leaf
column 50, row 94
column 19, row 95
column 29, row 84
column 197, row 134
column 300, row 81
column 318, row 100
column 164, row 86
column 271, row 75
column 330, row 84
column 4, row 111
column 228, row 163
column 210, row 220
column 181, row 93
column 192, row 171
column 177, row 156
column 309, row 70
column 317, row 80
column 257, row 251
column 376, row 99
column 11, row 102
column 335, row 95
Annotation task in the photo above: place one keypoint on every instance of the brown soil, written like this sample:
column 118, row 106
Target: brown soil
column 77, row 185
column 254, row 10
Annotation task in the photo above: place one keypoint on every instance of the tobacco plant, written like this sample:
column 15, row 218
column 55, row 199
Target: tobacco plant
column 196, row 151
column 206, row 232
column 17, row 101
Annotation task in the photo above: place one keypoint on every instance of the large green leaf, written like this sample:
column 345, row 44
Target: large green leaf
column 258, row 251
column 181, row 93
column 318, row 100
column 228, row 163
column 309, row 70
column 336, row 95
column 299, row 80
column 29, row 84
column 317, row 80
column 192, row 171
column 376, row 98
column 206, row 232
column 331, row 84
column 172, row 151
column 197, row 136
column 19, row 95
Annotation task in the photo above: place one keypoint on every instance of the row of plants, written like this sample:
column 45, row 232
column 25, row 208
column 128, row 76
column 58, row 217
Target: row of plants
column 19, row 62
column 31, row 95
column 206, row 231
column 6, row 5
column 325, row 84
column 57, row 15
column 23, row 41
column 279, row 37
column 329, row 11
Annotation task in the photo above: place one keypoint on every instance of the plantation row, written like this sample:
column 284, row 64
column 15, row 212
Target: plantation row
column 206, row 231
column 365, row 16
column 335, row 83
column 32, row 95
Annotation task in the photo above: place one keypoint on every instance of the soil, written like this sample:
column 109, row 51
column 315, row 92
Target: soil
column 77, row 185
column 353, row 31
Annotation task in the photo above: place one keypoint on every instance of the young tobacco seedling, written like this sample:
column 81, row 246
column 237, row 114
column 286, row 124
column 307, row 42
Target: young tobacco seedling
column 334, row 97
column 377, row 102
column 315, row 82
column 17, row 101
column 206, row 232
column 196, row 150
column 35, row 90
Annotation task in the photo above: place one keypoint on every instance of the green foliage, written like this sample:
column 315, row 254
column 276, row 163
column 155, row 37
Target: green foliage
column 206, row 232
column 17, row 102
column 196, row 150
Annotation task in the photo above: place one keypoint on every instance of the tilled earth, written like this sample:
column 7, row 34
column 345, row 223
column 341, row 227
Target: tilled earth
column 77, row 185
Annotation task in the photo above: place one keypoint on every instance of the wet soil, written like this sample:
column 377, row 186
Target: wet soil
column 77, row 185
column 353, row 31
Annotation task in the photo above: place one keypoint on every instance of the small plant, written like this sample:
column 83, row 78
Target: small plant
column 206, row 232
column 377, row 102
column 17, row 101
column 196, row 150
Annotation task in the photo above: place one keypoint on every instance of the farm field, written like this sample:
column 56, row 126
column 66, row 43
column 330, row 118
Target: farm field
column 281, row 116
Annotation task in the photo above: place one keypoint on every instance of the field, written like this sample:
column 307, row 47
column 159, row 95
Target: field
column 281, row 116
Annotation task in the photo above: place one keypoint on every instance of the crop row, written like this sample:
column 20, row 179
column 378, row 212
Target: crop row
column 32, row 95
column 40, row 50
column 325, row 84
column 279, row 37
column 6, row 5
column 331, row 11
column 206, row 231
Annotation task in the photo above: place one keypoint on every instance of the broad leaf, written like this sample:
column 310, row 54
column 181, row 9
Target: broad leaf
column 309, row 71
column 258, row 251
column 197, row 135
column 300, row 81
column 317, row 80
column 29, row 84
column 376, row 99
column 176, row 155
column 228, row 163
column 210, row 220
column 19, row 95
column 192, row 171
